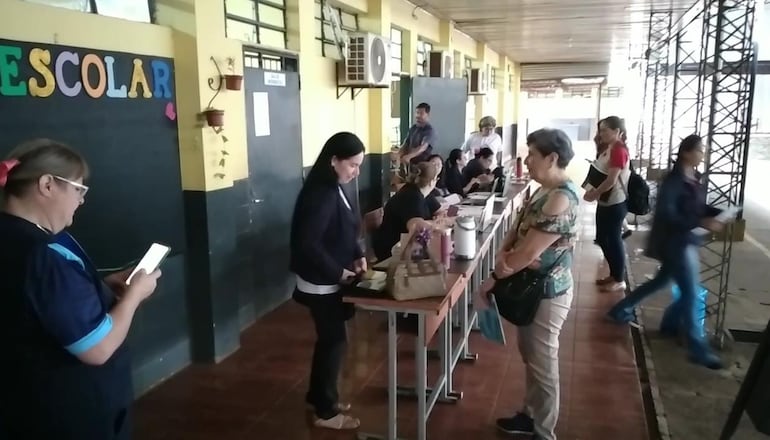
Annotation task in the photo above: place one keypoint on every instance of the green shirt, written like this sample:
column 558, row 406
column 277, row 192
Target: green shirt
column 564, row 224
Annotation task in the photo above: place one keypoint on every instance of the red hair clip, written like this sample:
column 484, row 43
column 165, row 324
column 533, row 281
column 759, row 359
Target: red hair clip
column 5, row 168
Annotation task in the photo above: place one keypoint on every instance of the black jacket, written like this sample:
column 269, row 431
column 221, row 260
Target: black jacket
column 324, row 235
column 680, row 208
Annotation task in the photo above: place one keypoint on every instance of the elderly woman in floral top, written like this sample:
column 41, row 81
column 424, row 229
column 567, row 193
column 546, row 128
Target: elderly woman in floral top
column 545, row 229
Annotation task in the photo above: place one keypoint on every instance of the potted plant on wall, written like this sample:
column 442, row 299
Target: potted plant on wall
column 232, row 81
column 215, row 118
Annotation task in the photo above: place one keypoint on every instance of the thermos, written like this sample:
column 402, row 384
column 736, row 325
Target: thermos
column 465, row 238
column 519, row 168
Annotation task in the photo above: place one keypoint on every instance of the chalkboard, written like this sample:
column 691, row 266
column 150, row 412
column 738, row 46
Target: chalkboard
column 118, row 110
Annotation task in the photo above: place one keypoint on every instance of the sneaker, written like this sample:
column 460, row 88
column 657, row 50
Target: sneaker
column 627, row 233
column 518, row 424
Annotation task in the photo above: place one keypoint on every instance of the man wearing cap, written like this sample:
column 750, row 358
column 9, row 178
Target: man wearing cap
column 485, row 137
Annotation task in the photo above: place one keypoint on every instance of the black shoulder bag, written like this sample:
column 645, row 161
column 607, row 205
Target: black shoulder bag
column 518, row 296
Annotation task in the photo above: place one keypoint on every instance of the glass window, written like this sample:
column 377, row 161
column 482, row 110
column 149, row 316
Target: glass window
column 271, row 15
column 396, row 54
column 423, row 50
column 324, row 31
column 257, row 21
column 241, row 31
column 242, row 8
column 493, row 78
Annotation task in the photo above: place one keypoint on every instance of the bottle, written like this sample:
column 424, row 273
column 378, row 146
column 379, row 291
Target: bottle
column 519, row 168
column 446, row 247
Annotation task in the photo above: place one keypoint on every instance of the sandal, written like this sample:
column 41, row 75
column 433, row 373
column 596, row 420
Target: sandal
column 338, row 422
column 339, row 406
column 603, row 281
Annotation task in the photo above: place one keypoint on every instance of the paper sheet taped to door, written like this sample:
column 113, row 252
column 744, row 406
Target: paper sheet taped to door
column 261, row 114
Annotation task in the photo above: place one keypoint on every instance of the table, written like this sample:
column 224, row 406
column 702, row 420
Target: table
column 433, row 315
column 436, row 315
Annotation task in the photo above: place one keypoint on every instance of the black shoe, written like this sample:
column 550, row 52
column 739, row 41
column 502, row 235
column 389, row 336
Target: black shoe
column 518, row 424
column 627, row 233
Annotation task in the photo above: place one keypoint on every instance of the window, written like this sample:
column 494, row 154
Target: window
column 256, row 21
column 493, row 78
column 541, row 94
column 133, row 10
column 423, row 50
column 269, row 61
column 396, row 54
column 323, row 29
column 612, row 92
column 578, row 92
column 467, row 66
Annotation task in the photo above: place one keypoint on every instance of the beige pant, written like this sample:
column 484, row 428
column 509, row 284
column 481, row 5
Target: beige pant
column 539, row 348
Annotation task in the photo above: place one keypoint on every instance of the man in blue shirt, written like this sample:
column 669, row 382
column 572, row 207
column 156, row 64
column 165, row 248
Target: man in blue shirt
column 421, row 138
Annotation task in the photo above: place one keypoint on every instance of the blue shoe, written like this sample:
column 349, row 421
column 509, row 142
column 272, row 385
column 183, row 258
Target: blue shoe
column 707, row 359
column 622, row 317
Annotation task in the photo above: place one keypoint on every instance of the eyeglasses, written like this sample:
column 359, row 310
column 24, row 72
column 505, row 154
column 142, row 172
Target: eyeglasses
column 82, row 189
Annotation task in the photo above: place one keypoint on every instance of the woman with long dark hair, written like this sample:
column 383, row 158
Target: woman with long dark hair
column 611, row 198
column 453, row 174
column 681, row 208
column 325, row 254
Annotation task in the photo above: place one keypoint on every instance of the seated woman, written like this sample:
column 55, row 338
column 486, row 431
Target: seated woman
column 479, row 168
column 453, row 174
column 67, row 374
column 434, row 198
column 407, row 209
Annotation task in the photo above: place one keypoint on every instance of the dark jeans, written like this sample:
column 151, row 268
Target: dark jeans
column 329, row 314
column 609, row 236
column 683, row 268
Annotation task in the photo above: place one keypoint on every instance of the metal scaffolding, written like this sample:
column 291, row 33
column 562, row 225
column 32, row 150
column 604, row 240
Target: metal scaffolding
column 656, row 95
column 709, row 57
column 729, row 65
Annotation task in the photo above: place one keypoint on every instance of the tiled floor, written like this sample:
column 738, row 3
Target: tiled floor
column 258, row 393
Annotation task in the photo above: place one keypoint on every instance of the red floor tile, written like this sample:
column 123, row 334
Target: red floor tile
column 258, row 392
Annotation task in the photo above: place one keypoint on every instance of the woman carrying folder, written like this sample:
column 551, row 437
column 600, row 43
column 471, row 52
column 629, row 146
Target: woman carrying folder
column 611, row 197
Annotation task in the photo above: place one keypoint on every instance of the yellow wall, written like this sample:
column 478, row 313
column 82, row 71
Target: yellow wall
column 192, row 31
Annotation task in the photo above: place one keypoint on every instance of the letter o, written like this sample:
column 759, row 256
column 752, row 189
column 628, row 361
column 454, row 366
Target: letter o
column 88, row 61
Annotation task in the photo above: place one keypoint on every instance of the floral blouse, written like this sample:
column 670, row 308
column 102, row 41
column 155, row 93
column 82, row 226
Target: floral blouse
column 564, row 224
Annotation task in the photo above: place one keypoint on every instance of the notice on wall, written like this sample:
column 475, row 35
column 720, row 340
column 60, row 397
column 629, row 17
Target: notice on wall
column 277, row 79
column 261, row 114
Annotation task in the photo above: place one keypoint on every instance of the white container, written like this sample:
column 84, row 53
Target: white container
column 465, row 238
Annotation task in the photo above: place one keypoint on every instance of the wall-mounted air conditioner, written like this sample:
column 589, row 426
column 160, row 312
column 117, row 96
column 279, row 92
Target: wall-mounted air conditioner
column 367, row 62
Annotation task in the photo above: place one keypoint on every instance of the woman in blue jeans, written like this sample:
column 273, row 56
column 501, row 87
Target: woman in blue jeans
column 681, row 208
column 610, row 196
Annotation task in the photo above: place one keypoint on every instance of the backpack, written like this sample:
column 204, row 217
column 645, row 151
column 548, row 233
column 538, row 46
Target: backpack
column 637, row 195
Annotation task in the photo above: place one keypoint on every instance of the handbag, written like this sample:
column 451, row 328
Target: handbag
column 410, row 279
column 518, row 296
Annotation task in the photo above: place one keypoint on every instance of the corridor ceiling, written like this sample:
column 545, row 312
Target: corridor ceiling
column 543, row 31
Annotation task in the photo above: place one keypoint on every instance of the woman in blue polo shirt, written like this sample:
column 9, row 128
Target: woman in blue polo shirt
column 66, row 371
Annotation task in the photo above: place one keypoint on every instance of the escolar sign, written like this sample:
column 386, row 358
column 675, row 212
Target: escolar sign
column 40, row 71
